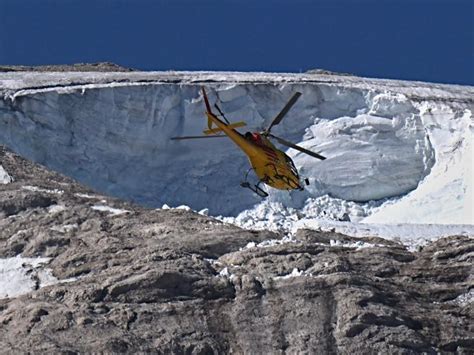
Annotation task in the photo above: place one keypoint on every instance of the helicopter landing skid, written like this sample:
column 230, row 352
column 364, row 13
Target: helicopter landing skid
column 254, row 188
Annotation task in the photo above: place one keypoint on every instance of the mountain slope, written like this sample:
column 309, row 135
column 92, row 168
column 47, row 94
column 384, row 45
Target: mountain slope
column 109, row 276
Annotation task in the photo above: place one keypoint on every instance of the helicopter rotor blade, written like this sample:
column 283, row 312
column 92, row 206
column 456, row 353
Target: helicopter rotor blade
column 297, row 147
column 196, row 137
column 283, row 112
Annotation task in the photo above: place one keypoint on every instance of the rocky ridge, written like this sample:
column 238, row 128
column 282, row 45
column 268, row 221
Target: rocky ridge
column 78, row 67
column 174, row 281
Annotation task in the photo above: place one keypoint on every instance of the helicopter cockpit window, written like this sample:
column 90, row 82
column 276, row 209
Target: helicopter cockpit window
column 292, row 165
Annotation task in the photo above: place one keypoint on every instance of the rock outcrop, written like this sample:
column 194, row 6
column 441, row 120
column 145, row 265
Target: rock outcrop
column 131, row 279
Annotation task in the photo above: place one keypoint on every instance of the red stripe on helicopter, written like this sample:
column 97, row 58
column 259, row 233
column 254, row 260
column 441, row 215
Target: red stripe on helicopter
column 269, row 151
column 272, row 158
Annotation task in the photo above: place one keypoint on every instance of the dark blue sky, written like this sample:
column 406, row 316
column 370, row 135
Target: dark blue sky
column 429, row 40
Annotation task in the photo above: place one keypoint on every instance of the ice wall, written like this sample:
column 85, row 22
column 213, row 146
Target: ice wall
column 381, row 138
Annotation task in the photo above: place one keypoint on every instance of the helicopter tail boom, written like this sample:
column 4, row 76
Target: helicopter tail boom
column 231, row 125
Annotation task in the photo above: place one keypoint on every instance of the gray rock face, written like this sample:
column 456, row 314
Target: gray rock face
column 174, row 281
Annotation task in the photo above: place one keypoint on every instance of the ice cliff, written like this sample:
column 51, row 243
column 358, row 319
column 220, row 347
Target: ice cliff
column 398, row 151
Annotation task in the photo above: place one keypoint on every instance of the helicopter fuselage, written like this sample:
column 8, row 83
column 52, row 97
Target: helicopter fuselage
column 271, row 165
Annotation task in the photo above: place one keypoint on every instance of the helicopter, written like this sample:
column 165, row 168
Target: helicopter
column 272, row 166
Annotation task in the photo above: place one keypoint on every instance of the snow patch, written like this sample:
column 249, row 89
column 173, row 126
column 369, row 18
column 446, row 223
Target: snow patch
column 270, row 243
column 204, row 212
column 354, row 245
column 226, row 273
column 294, row 273
column 19, row 275
column 249, row 245
column 4, row 177
column 183, row 207
column 40, row 189
column 53, row 209
column 92, row 197
column 111, row 210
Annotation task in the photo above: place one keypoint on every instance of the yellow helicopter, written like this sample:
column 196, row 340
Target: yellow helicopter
column 271, row 165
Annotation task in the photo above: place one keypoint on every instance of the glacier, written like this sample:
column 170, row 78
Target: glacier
column 398, row 151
